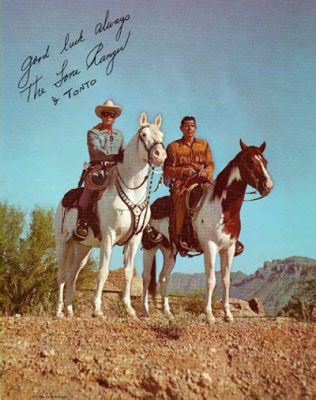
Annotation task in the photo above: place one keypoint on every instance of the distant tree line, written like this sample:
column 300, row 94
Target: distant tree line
column 27, row 261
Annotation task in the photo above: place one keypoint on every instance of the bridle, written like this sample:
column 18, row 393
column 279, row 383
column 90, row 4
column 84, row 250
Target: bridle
column 146, row 147
column 256, row 180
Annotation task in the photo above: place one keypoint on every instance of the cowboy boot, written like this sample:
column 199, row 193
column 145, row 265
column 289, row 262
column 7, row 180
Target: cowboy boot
column 82, row 225
column 181, row 245
column 239, row 248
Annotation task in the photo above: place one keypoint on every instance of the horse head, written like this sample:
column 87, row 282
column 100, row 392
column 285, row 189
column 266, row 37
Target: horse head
column 253, row 168
column 151, row 138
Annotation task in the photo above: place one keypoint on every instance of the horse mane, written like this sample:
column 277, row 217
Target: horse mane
column 222, row 177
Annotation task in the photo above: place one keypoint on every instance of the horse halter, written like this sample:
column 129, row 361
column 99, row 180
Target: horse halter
column 148, row 149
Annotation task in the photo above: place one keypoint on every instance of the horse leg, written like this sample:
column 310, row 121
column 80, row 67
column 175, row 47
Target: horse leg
column 105, row 255
column 129, row 256
column 80, row 257
column 64, row 259
column 209, row 264
column 148, row 259
column 168, row 264
column 226, row 257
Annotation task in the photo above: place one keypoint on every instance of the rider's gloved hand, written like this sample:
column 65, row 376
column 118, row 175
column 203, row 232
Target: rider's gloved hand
column 203, row 175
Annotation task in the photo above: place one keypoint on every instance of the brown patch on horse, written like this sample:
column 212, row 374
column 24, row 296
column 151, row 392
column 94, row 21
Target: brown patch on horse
column 161, row 208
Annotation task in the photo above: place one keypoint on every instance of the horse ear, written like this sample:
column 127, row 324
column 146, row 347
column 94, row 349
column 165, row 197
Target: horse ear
column 243, row 145
column 262, row 147
column 143, row 119
column 158, row 120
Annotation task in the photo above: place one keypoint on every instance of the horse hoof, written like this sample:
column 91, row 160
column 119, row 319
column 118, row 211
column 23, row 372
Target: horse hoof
column 145, row 313
column 229, row 318
column 133, row 315
column 131, row 312
column 60, row 315
column 97, row 314
column 211, row 319
column 169, row 315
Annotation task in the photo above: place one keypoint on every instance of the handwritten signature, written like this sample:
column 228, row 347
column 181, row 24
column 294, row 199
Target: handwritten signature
column 64, row 77
column 27, row 65
column 69, row 44
column 99, row 28
column 34, row 84
column 95, row 58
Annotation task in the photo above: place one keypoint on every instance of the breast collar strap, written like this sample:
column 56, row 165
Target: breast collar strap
column 135, row 209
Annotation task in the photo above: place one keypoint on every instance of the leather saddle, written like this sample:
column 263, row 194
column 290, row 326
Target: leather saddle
column 162, row 208
column 71, row 200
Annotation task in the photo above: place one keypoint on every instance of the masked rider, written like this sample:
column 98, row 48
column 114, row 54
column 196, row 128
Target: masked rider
column 106, row 146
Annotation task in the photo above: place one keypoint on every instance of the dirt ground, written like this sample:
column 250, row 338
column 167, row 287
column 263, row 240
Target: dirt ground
column 117, row 358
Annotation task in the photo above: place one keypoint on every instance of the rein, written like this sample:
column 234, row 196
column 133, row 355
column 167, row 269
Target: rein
column 256, row 187
column 130, row 188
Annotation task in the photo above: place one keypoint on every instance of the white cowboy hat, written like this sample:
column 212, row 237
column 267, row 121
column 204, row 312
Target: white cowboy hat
column 108, row 106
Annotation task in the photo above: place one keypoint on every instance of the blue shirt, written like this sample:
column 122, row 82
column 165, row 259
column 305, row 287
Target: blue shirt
column 102, row 143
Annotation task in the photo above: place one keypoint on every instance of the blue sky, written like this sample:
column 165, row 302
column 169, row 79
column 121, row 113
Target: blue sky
column 245, row 69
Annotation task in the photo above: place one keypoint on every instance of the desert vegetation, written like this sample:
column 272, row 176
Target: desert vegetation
column 28, row 263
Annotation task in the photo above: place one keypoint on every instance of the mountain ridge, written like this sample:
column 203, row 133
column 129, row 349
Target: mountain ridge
column 275, row 283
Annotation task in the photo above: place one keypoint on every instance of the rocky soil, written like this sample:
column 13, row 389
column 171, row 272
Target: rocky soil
column 186, row 358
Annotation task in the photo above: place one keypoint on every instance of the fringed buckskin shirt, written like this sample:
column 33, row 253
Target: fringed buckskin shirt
column 181, row 156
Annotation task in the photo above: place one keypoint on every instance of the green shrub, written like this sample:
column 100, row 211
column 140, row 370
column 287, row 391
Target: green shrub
column 27, row 262
column 28, row 269
column 194, row 303
column 118, row 306
column 174, row 328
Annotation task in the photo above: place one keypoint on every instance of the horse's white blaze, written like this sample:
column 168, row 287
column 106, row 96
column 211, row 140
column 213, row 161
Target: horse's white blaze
column 269, row 183
column 234, row 175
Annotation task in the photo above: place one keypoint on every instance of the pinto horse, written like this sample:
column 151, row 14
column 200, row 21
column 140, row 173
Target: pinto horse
column 123, row 213
column 217, row 224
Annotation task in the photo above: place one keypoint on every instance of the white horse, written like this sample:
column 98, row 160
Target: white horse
column 123, row 213
column 217, row 224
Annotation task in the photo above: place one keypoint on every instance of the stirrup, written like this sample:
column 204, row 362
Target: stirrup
column 82, row 231
column 185, row 245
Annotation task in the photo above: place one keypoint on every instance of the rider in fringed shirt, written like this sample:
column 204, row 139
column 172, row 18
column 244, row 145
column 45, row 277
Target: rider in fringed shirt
column 186, row 157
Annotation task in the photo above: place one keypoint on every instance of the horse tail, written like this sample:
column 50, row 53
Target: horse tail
column 152, row 288
column 59, row 219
